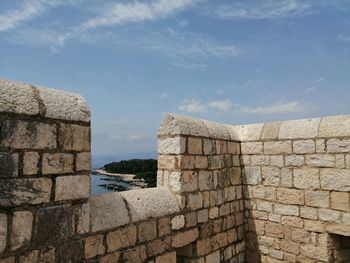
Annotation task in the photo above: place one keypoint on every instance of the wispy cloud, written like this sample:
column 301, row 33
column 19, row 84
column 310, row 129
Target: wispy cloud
column 161, row 95
column 343, row 38
column 121, row 13
column 279, row 108
column 267, row 9
column 128, row 137
column 223, row 105
column 195, row 106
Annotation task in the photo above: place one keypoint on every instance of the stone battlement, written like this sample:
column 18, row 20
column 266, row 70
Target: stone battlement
column 274, row 192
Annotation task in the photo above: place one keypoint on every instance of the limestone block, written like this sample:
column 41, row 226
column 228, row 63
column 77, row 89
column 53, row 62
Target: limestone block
column 320, row 146
column 340, row 201
column 3, row 232
column 233, row 148
column 181, row 182
column 278, row 147
column 8, row 164
column 72, row 187
column 168, row 162
column 194, row 201
column 271, row 175
column 320, row 160
column 347, row 161
column 57, row 163
column 17, row 98
column 276, row 160
column 288, row 210
column 151, row 202
column 8, row 260
column 83, row 161
column 213, row 257
column 317, row 198
column 184, row 238
column 201, row 162
column 177, row 222
column 299, row 129
column 338, row 145
column 258, row 160
column 110, row 258
column 29, row 257
column 83, row 212
column 202, row 216
column 340, row 161
column 274, row 229
column 292, row 221
column 304, row 146
column 217, row 130
column 28, row 135
column 264, row 206
column 194, row 145
column 209, row 147
column 271, row 131
column 158, row 246
column 221, row 147
column 93, row 246
column 314, row 225
column 328, row 215
column 290, row 196
column 147, row 230
column 314, row 252
column 335, row 179
column 167, row 258
column 205, row 180
column 53, row 225
column 73, row 137
column 164, row 226
column 335, row 126
column 252, row 147
column 306, row 178
column 175, row 145
column 108, row 211
column 21, row 232
column 250, row 132
column 30, row 163
column 191, row 219
column 71, row 251
column 121, row 238
column 339, row 229
column 216, row 161
column 186, row 162
column 294, row 160
column 252, row 175
column 16, row 192
column 300, row 235
column 136, row 254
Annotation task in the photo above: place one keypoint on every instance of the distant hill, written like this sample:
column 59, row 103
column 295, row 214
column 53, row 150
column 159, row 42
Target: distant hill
column 99, row 160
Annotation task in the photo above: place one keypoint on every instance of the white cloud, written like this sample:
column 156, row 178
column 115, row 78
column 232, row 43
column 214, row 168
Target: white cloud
column 288, row 107
column 128, row 137
column 223, row 105
column 193, row 106
column 183, row 23
column 121, row 13
column 267, row 9
column 161, row 95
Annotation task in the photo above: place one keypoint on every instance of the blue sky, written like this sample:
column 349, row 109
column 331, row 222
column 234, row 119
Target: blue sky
column 230, row 61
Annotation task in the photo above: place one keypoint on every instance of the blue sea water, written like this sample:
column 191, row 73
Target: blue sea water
column 97, row 180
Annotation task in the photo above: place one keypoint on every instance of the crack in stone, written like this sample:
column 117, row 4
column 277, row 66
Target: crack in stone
column 41, row 104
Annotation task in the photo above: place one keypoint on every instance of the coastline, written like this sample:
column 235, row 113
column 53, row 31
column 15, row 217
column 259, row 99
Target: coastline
column 126, row 178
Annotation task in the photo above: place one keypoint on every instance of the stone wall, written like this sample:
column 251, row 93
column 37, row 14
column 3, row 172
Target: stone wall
column 275, row 192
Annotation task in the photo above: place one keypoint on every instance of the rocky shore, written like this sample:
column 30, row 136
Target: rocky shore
column 126, row 178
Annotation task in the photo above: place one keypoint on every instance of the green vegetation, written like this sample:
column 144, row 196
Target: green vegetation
column 142, row 168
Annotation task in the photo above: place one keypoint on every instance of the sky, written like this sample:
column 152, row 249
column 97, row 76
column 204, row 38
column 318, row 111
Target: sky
column 234, row 62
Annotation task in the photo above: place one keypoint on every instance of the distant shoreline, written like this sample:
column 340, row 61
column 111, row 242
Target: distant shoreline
column 127, row 178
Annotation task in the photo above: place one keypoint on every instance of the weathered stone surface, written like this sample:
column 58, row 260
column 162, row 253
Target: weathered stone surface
column 168, row 162
column 29, row 257
column 299, row 129
column 74, row 137
column 71, row 252
column 213, row 257
column 271, row 131
column 278, row 147
column 205, row 180
column 335, row 179
column 250, row 132
column 175, row 145
column 108, row 211
column 28, row 135
column 201, row 162
column 47, row 255
column 257, row 160
column 25, row 191
column 57, row 163
column 194, row 201
column 317, row 198
column 147, row 230
column 30, row 163
column 271, row 175
column 3, row 232
column 21, row 232
column 17, row 98
column 63, row 105
column 289, row 210
column 94, row 246
column 335, row 126
column 340, row 201
column 8, row 260
column 83, row 225
column 135, row 255
column 167, row 258
column 216, row 130
column 252, row 175
column 8, row 164
column 338, row 145
column 304, row 146
column 83, row 162
column 53, row 225
column 164, row 226
column 320, row 160
column 184, row 238
column 252, row 147
column 209, row 147
column 294, row 160
column 178, row 222
column 328, row 215
column 72, row 187
column 290, row 196
column 158, row 246
column 194, row 145
column 151, row 202
column 122, row 238
column 186, row 162
column 111, row 258
column 306, row 178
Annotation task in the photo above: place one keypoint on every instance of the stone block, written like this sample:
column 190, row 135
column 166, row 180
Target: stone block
column 186, row 161
column 194, row 145
column 71, row 252
column 264, row 206
column 194, row 201
column 181, row 182
column 320, row 160
column 340, row 201
column 121, row 238
column 334, row 126
column 294, row 160
column 202, row 216
column 252, row 147
column 73, row 137
column 273, row 229
column 57, row 163
column 167, row 258
column 278, row 147
column 299, row 129
column 30, row 163
column 8, row 260
column 252, row 175
column 28, row 135
column 151, row 202
column 168, row 162
column 335, row 179
column 290, row 196
column 110, row 258
column 216, row 162
column 217, row 130
column 271, row 175
column 175, row 145
column 29, row 257
column 221, row 147
column 21, row 232
column 320, row 146
column 53, row 225
column 83, row 162
column 271, row 131
column 83, row 225
column 338, row 145
column 8, row 164
column 177, row 222
column 250, row 132
column 72, row 187
column 288, row 210
column 191, row 219
column 209, row 146
column 317, row 198
column 306, row 178
column 184, row 238
column 276, row 160
column 328, row 215
column 93, row 246
column 164, row 227
column 108, row 211
column 158, row 246
column 304, row 146
column 136, row 254
column 147, row 230
column 205, row 180
column 3, row 232
column 201, row 162
column 17, row 192
column 258, row 160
